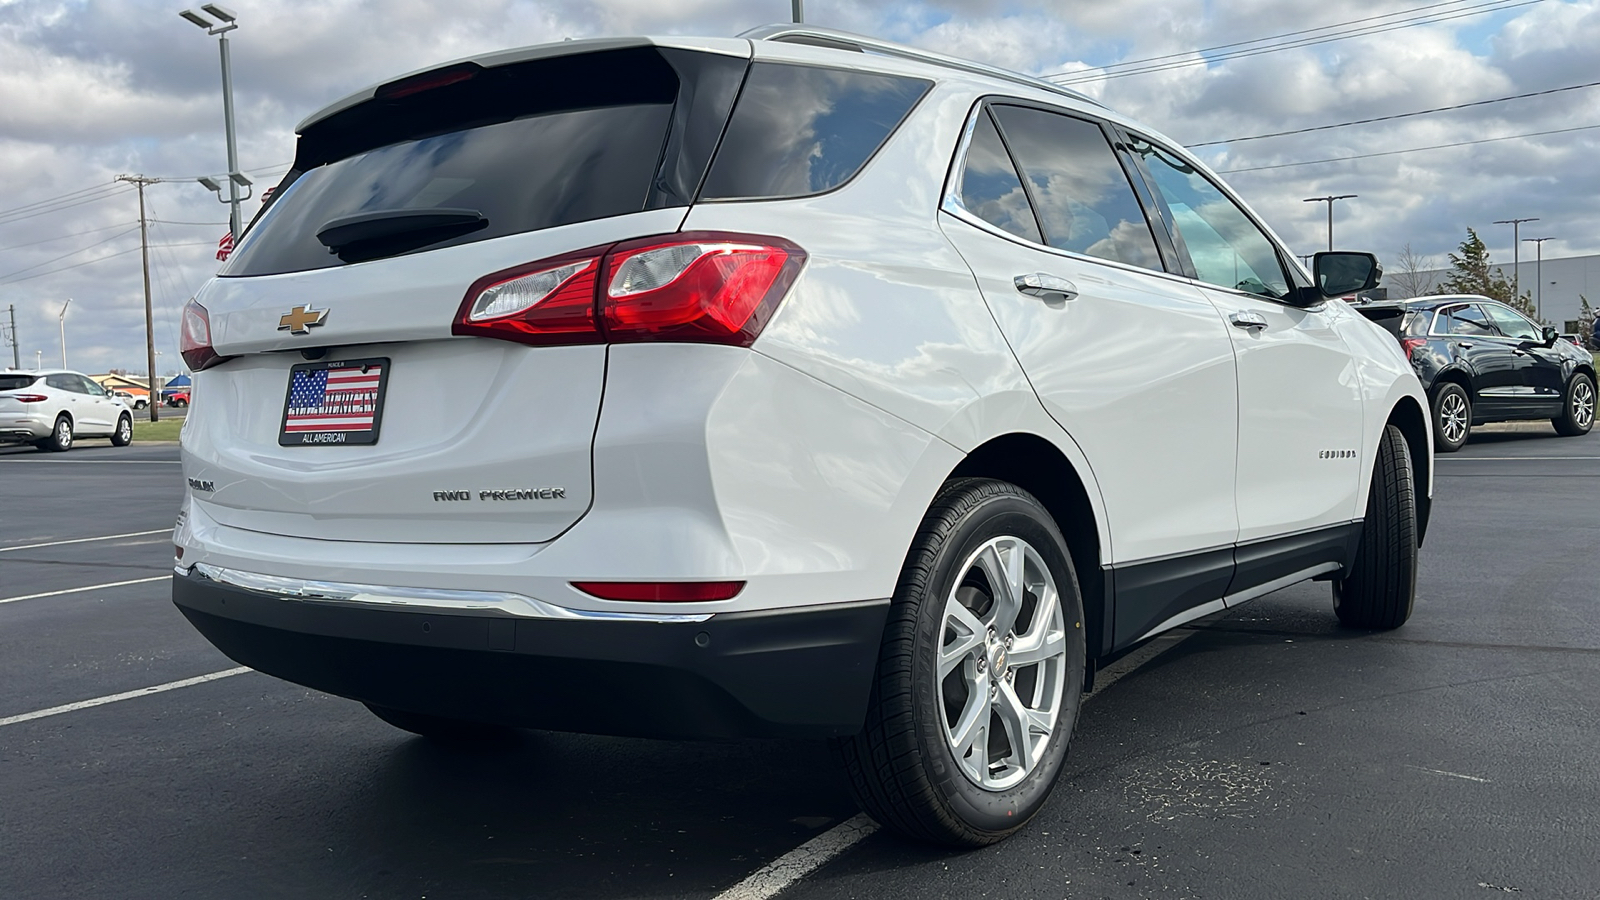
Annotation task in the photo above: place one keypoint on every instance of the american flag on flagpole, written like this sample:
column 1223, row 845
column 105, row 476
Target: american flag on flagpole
column 225, row 246
column 333, row 399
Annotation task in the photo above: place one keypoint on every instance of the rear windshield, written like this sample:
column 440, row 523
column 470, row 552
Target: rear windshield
column 801, row 130
column 523, row 147
column 15, row 382
column 1417, row 322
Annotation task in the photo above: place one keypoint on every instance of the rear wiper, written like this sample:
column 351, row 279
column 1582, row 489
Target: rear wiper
column 386, row 232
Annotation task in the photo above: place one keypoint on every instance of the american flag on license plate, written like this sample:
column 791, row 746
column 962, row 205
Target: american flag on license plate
column 333, row 399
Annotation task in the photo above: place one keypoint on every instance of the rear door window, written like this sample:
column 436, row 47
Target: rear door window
column 991, row 189
column 1416, row 324
column 1079, row 189
column 803, row 130
column 1468, row 321
column 525, row 146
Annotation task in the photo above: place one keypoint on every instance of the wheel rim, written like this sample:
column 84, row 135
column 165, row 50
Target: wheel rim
column 1453, row 417
column 124, row 429
column 64, row 433
column 1583, row 404
column 1002, row 663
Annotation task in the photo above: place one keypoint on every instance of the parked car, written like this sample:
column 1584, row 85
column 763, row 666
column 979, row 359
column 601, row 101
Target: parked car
column 926, row 386
column 1482, row 361
column 52, row 408
column 133, row 401
column 176, row 399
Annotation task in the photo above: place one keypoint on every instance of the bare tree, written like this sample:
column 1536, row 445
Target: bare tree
column 1414, row 275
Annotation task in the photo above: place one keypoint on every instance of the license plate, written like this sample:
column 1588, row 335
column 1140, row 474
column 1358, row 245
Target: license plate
column 333, row 403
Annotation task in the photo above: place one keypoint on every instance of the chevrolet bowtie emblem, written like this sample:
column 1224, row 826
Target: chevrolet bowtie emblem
column 302, row 319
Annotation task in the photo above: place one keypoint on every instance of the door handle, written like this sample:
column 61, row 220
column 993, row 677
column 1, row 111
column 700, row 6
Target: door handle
column 1045, row 286
column 1465, row 345
column 1247, row 320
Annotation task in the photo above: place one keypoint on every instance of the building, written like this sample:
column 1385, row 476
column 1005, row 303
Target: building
column 1554, row 290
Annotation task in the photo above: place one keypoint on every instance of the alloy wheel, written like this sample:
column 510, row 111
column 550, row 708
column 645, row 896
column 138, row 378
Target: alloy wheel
column 1583, row 404
column 63, row 433
column 1002, row 663
column 1453, row 417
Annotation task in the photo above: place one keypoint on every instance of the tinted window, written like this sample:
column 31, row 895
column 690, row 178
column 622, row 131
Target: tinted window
column 799, row 130
column 1467, row 320
column 990, row 187
column 1081, row 192
column 1417, row 321
column 1225, row 245
column 527, row 146
column 15, row 382
column 62, row 383
column 1512, row 325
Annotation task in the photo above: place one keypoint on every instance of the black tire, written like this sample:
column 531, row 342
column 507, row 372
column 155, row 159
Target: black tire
column 123, row 436
column 1577, row 408
column 1378, row 591
column 439, row 728
column 1452, row 417
column 901, row 766
column 181, row 404
column 61, row 436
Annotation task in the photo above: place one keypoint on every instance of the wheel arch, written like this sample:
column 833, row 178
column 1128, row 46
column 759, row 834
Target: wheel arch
column 1454, row 376
column 1408, row 416
column 1043, row 470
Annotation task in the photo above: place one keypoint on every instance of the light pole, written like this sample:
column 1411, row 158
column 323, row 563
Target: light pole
column 1329, row 201
column 1516, row 252
column 226, row 22
column 1538, row 274
column 63, row 320
column 799, row 9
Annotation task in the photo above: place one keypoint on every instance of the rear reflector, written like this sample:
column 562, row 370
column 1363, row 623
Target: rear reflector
column 661, row 591
column 701, row 287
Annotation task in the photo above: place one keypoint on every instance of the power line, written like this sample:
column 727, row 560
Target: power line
column 67, row 196
column 1428, row 20
column 8, row 220
column 1405, row 115
column 1314, row 162
column 72, row 253
column 73, row 266
column 62, row 237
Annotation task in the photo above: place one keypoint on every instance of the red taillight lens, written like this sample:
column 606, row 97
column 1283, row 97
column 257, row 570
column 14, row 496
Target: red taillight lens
column 699, row 286
column 1410, row 344
column 547, row 302
column 30, row 398
column 661, row 591
column 194, row 340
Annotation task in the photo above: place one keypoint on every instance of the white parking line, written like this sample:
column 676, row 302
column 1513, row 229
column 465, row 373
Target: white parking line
column 1511, row 458
column 79, row 590
column 95, row 462
column 103, row 537
column 125, row 695
column 772, row 878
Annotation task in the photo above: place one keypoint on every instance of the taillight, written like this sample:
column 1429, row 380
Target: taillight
column 661, row 591
column 547, row 302
column 29, row 398
column 194, row 339
column 703, row 287
column 1410, row 344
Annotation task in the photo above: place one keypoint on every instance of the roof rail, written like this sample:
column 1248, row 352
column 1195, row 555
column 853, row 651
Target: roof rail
column 844, row 40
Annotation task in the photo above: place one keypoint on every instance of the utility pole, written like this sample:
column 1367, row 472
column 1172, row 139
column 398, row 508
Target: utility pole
column 1516, row 252
column 63, row 318
column 1329, row 201
column 799, row 9
column 139, row 181
column 1538, row 274
column 16, row 354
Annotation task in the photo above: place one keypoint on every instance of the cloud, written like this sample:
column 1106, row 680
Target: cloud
column 91, row 90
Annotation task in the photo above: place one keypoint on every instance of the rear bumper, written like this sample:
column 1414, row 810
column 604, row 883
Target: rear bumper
column 25, row 428
column 792, row 673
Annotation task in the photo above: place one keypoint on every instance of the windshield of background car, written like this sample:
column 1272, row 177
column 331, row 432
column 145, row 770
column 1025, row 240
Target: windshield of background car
column 527, row 146
column 1225, row 245
column 802, row 130
column 15, row 382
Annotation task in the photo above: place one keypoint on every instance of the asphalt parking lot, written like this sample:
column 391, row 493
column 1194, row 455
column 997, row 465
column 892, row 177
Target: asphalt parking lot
column 1263, row 753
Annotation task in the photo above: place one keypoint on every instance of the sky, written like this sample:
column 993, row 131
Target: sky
column 92, row 90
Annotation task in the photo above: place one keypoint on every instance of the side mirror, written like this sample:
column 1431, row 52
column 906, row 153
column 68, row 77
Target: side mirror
column 1551, row 335
column 1341, row 272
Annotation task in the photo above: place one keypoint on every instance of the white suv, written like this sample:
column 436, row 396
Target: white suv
column 791, row 385
column 52, row 408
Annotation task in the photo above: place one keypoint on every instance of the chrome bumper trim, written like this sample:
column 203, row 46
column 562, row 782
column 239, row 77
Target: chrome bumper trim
column 469, row 603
